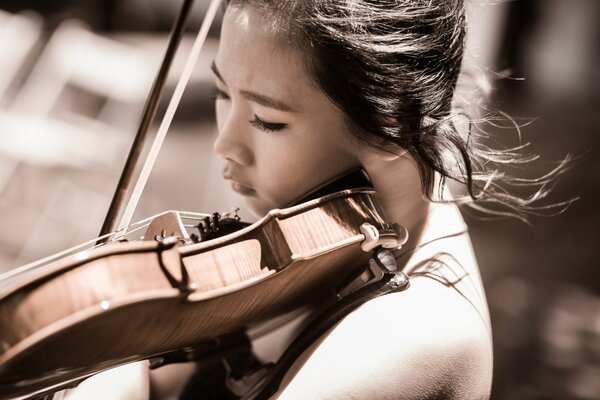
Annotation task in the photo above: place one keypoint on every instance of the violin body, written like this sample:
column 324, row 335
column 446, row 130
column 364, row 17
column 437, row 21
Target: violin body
column 129, row 301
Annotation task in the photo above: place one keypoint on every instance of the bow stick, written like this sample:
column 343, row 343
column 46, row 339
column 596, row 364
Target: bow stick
column 148, row 114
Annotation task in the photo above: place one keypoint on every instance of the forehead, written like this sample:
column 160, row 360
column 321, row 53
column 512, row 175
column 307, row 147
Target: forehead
column 253, row 51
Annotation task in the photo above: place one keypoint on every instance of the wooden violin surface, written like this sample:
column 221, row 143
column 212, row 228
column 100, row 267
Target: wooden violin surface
column 130, row 301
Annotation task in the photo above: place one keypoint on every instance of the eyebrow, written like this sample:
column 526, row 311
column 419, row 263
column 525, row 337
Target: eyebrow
column 255, row 97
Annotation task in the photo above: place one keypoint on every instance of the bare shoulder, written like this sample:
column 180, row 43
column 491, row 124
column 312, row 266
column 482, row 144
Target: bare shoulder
column 432, row 341
column 401, row 346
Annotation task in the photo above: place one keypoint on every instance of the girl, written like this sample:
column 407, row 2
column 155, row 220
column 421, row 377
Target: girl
column 307, row 90
column 310, row 89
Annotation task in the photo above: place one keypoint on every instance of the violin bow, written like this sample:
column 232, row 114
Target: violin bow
column 148, row 114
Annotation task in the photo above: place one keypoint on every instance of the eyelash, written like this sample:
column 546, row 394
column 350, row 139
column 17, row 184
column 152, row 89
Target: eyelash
column 268, row 127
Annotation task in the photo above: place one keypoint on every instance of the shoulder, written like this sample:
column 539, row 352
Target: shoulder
column 401, row 346
column 430, row 341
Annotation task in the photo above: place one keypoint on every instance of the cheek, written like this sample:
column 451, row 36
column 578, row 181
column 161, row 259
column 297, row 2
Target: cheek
column 276, row 166
column 278, row 173
column 287, row 174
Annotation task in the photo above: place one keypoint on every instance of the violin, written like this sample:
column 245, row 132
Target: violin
column 165, row 296
column 126, row 301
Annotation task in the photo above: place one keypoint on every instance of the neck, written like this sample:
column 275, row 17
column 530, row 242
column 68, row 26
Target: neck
column 399, row 188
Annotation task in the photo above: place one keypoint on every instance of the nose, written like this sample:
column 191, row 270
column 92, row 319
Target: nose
column 233, row 142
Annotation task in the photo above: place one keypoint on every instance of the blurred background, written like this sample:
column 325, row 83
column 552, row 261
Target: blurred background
column 74, row 76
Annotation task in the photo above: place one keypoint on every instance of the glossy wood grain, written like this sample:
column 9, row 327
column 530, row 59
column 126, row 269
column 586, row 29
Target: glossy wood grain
column 117, row 305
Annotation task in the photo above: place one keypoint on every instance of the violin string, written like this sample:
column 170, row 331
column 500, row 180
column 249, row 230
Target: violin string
column 169, row 114
column 195, row 218
column 93, row 244
column 88, row 245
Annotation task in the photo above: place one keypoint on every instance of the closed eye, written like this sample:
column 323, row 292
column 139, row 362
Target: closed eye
column 268, row 127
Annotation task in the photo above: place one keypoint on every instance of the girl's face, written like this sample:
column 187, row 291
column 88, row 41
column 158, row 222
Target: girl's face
column 280, row 135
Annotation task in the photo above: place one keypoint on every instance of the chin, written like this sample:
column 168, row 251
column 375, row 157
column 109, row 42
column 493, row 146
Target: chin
column 257, row 207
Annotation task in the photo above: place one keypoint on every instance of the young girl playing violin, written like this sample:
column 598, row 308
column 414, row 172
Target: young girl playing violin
column 308, row 90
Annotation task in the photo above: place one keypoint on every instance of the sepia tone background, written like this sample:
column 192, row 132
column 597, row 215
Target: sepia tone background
column 74, row 76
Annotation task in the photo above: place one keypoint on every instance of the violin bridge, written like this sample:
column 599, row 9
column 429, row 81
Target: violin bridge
column 165, row 225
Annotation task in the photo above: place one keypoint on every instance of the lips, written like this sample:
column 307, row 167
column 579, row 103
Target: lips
column 236, row 185
column 241, row 189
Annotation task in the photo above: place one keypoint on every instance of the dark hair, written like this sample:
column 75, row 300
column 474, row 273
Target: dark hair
column 392, row 66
